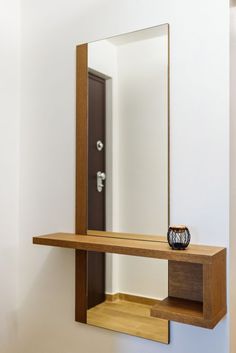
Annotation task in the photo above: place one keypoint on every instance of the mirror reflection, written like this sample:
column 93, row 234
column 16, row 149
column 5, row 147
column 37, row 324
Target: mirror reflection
column 128, row 176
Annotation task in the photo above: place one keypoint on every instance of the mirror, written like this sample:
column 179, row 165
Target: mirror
column 128, row 183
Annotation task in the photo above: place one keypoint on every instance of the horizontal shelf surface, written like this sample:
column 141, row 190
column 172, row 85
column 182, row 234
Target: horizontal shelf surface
column 182, row 310
column 129, row 246
column 143, row 237
column 178, row 305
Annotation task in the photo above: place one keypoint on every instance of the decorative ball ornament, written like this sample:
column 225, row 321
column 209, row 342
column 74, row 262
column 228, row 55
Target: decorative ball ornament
column 178, row 237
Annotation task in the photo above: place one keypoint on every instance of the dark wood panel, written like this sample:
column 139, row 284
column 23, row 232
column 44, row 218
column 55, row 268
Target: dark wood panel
column 96, row 200
column 81, row 286
column 96, row 159
column 185, row 280
column 96, row 278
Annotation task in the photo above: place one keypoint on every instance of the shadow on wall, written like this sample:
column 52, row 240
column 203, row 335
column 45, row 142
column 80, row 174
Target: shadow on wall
column 47, row 311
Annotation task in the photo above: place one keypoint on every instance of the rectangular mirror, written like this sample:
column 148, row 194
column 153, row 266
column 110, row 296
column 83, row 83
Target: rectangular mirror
column 128, row 177
column 128, row 132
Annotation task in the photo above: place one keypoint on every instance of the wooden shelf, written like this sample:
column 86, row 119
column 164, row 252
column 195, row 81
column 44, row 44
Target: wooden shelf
column 181, row 310
column 196, row 276
column 185, row 311
column 129, row 246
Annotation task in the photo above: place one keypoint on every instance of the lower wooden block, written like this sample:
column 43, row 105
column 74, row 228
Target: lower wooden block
column 185, row 280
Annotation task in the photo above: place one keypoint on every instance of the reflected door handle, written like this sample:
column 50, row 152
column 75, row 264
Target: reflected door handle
column 101, row 176
column 99, row 145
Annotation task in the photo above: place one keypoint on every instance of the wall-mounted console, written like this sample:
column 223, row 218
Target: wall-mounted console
column 196, row 276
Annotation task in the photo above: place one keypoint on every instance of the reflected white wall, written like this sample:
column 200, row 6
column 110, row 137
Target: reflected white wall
column 136, row 69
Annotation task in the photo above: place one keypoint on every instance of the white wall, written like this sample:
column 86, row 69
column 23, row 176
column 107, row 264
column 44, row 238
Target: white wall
column 199, row 156
column 232, row 176
column 143, row 134
column 143, row 154
column 9, row 109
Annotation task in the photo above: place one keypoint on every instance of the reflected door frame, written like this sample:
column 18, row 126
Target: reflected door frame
column 96, row 198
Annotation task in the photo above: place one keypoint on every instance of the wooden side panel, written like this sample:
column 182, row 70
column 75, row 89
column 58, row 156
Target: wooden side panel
column 81, row 286
column 214, row 279
column 81, row 218
column 185, row 280
column 180, row 310
column 81, row 207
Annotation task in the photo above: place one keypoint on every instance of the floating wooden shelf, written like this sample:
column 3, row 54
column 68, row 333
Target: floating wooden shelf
column 196, row 276
column 179, row 310
column 129, row 246
column 197, row 293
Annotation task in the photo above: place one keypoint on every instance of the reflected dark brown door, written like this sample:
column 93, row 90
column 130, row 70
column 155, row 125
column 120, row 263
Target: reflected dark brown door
column 96, row 199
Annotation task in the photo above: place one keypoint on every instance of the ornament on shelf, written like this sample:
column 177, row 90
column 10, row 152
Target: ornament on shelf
column 178, row 237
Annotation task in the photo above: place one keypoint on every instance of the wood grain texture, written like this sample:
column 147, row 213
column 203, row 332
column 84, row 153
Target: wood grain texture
column 130, row 318
column 214, row 284
column 212, row 293
column 130, row 236
column 81, row 286
column 180, row 310
column 213, row 260
column 186, row 312
column 194, row 254
column 131, row 298
column 81, row 207
column 185, row 280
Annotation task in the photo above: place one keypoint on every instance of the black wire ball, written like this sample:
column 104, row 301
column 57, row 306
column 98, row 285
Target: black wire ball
column 178, row 237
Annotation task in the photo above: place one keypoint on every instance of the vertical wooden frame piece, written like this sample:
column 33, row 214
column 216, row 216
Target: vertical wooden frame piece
column 214, row 284
column 81, row 139
column 81, row 207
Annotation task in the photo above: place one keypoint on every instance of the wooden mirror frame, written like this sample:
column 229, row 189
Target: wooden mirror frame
column 198, row 299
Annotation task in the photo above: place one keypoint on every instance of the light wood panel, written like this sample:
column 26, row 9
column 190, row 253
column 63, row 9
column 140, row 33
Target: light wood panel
column 197, row 293
column 131, row 298
column 144, row 237
column 81, row 207
column 214, row 284
column 180, row 310
column 130, row 318
column 194, row 253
